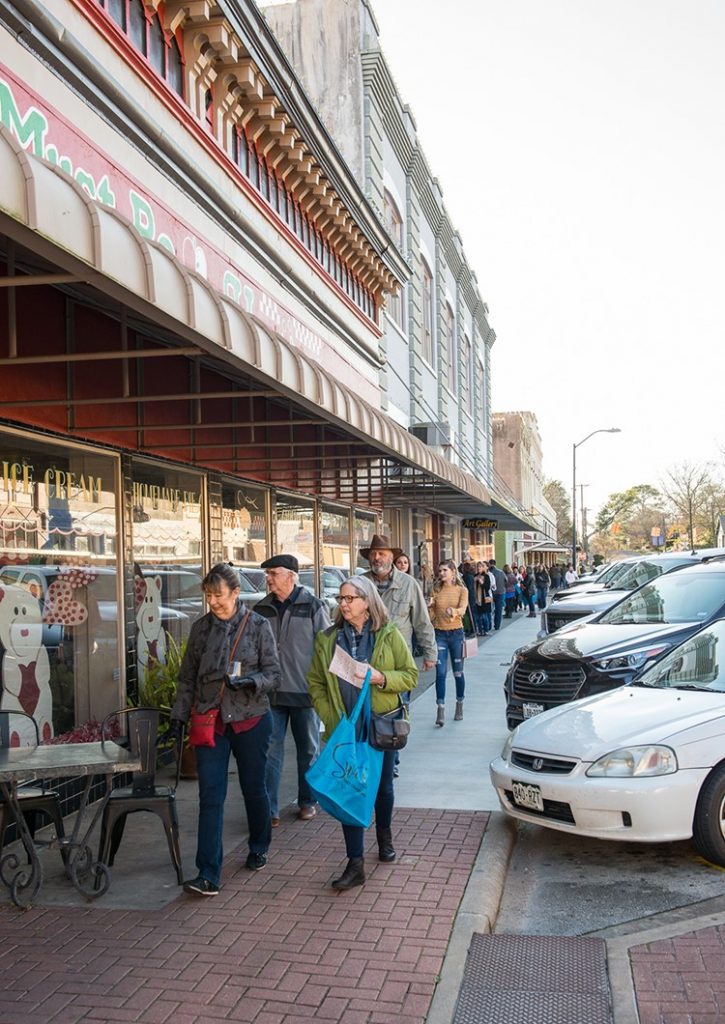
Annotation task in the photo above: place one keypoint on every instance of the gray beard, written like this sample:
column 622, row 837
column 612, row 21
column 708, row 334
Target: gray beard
column 379, row 570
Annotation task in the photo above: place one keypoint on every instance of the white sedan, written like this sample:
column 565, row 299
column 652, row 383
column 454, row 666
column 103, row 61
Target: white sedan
column 644, row 763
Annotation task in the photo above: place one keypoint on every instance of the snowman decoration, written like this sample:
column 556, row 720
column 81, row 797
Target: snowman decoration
column 150, row 638
column 25, row 668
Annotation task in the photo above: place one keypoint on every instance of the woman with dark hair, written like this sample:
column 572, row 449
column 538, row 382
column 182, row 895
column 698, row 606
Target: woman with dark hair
column 484, row 600
column 230, row 663
column 402, row 562
column 361, row 629
column 510, row 591
column 448, row 605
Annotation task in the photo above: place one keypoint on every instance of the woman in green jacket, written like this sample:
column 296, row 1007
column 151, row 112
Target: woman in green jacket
column 361, row 628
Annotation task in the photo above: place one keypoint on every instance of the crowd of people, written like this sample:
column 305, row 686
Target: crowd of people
column 495, row 594
column 261, row 672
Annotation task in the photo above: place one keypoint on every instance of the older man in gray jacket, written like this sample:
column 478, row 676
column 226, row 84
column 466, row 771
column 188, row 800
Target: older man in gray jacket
column 296, row 616
column 402, row 596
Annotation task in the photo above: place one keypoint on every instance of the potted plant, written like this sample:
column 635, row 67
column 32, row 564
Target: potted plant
column 158, row 690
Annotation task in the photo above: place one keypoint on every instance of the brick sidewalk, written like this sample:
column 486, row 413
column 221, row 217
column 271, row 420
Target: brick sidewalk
column 681, row 980
column 277, row 947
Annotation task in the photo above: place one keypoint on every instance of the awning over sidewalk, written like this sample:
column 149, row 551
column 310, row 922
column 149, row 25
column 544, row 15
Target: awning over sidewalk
column 97, row 246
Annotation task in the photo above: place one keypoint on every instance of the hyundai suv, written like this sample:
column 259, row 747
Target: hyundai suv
column 608, row 649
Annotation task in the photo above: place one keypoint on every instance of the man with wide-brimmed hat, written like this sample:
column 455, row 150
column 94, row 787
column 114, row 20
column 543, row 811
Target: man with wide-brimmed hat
column 402, row 596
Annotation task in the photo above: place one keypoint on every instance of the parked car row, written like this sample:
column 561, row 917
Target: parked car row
column 619, row 717
column 584, row 598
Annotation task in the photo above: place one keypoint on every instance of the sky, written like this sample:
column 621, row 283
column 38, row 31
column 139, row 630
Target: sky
column 580, row 145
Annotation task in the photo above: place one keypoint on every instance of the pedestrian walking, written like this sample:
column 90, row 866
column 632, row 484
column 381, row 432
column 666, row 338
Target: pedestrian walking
column 402, row 596
column 363, row 630
column 529, row 591
column 448, row 605
column 556, row 577
column 230, row 662
column 296, row 616
column 510, row 592
column 571, row 576
column 484, row 600
column 543, row 582
column 499, row 593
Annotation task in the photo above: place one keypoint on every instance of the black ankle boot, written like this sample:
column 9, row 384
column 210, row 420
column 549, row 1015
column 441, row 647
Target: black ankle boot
column 385, row 845
column 354, row 874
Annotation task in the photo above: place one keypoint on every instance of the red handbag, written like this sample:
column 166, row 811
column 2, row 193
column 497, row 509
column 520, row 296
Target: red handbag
column 202, row 724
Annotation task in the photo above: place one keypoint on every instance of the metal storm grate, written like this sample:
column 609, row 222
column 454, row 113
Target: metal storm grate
column 532, row 979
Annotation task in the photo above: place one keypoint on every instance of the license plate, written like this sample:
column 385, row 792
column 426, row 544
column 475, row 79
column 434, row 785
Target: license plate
column 529, row 710
column 527, row 796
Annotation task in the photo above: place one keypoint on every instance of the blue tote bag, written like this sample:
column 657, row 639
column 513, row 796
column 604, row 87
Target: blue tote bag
column 345, row 777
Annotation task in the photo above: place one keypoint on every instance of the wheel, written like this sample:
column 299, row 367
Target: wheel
column 708, row 827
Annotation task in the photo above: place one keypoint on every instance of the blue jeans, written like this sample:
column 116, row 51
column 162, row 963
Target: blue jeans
column 305, row 727
column 449, row 641
column 541, row 593
column 483, row 617
column 250, row 752
column 498, row 600
column 354, row 834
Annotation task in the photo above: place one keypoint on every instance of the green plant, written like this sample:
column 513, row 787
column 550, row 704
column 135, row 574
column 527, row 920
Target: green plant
column 158, row 689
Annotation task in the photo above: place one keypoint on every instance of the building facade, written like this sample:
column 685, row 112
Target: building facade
column 192, row 341
column 518, row 467
column 437, row 340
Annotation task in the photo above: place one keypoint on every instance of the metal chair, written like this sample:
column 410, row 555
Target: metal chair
column 16, row 729
column 137, row 730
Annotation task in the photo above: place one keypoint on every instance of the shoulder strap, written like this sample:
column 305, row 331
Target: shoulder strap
column 238, row 637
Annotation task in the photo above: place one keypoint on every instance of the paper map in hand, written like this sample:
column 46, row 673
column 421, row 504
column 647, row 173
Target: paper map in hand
column 345, row 666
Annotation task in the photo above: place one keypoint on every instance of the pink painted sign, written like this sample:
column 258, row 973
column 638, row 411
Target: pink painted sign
column 45, row 133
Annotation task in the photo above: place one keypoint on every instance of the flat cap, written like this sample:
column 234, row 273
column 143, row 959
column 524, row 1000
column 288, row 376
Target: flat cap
column 281, row 562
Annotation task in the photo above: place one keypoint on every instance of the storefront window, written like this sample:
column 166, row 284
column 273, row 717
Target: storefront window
column 335, row 525
column 422, row 554
column 296, row 535
column 245, row 536
column 167, row 554
column 59, row 632
column 365, row 525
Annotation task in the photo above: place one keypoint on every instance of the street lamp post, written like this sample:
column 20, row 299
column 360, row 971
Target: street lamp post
column 602, row 430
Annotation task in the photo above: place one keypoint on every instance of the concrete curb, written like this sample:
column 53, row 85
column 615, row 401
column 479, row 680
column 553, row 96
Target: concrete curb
column 477, row 913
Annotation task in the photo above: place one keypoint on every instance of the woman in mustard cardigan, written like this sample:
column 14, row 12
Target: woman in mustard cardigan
column 361, row 628
column 448, row 604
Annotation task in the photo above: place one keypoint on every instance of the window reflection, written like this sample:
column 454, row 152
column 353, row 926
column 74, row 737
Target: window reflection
column 166, row 545
column 59, row 652
column 245, row 536
column 694, row 663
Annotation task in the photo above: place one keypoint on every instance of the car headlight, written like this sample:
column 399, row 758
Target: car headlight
column 634, row 762
column 508, row 745
column 631, row 660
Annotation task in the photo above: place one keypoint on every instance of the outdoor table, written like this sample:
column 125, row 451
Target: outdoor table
column 55, row 761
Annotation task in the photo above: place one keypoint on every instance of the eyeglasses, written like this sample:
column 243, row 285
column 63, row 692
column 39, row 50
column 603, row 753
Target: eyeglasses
column 347, row 598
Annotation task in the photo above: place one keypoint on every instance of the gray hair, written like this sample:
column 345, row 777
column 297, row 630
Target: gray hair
column 369, row 592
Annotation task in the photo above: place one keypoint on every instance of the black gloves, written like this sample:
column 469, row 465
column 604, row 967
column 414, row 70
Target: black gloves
column 175, row 732
column 243, row 683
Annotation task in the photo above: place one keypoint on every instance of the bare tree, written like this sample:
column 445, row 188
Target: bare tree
column 687, row 487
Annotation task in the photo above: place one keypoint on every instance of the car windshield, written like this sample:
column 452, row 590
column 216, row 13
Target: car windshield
column 610, row 574
column 694, row 664
column 634, row 575
column 674, row 597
